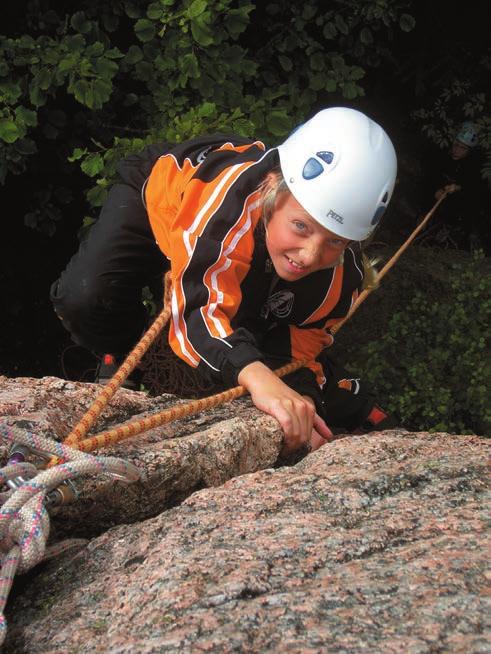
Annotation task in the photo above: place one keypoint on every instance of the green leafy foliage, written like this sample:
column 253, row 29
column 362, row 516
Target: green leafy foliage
column 460, row 100
column 49, row 204
column 441, row 380
column 116, row 74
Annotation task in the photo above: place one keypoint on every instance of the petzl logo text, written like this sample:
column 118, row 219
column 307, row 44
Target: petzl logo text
column 335, row 216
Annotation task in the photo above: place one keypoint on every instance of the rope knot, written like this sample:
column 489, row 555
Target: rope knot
column 28, row 529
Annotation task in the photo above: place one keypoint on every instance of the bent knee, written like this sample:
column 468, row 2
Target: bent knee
column 73, row 300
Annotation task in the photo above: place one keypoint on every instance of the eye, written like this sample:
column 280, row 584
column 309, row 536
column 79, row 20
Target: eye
column 337, row 243
column 301, row 226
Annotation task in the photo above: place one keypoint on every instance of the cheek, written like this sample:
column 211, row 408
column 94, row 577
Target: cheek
column 275, row 238
column 331, row 257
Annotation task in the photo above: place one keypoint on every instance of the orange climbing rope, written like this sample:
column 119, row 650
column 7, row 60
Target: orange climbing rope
column 363, row 295
column 169, row 415
column 76, row 439
column 128, row 365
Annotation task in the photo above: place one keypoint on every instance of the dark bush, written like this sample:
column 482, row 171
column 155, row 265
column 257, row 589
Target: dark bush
column 433, row 368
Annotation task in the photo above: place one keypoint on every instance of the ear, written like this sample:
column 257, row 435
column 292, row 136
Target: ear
column 269, row 181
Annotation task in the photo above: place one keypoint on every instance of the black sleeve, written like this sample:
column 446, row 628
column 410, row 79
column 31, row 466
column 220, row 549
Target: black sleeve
column 304, row 382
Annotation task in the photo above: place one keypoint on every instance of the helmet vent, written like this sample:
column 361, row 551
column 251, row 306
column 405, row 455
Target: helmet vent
column 384, row 199
column 326, row 156
column 312, row 169
column 378, row 215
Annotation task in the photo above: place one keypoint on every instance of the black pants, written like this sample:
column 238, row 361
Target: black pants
column 344, row 402
column 98, row 296
column 347, row 400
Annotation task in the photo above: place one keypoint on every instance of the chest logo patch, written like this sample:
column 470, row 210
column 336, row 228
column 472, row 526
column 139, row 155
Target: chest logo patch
column 279, row 304
column 202, row 155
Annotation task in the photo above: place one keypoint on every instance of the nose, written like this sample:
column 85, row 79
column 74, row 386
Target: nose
column 319, row 255
column 310, row 253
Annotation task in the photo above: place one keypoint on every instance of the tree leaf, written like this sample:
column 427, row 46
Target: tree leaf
column 317, row 61
column 357, row 73
column 10, row 92
column 80, row 23
column 278, row 122
column 77, row 154
column 95, row 49
column 331, row 85
column 330, row 31
column 74, row 42
column 27, row 116
column 106, row 67
column 26, row 146
column 69, row 62
column 133, row 55
column 317, row 81
column 154, row 11
column 93, row 164
column 236, row 21
column 309, row 11
column 9, row 132
column 101, row 92
column 113, row 53
column 36, row 95
column 350, row 90
column 285, row 63
column 366, row 36
column 337, row 63
column 341, row 24
column 144, row 30
column 207, row 109
column 407, row 23
column 44, row 78
column 196, row 8
column 201, row 32
column 131, row 10
column 189, row 65
column 79, row 88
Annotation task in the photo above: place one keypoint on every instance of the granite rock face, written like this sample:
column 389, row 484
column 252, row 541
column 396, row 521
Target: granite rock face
column 374, row 543
column 175, row 459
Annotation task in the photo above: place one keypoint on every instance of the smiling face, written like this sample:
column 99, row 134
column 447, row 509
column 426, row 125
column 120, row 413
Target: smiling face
column 297, row 244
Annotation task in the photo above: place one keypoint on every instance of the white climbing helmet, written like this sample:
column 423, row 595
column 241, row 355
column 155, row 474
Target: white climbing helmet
column 341, row 167
column 467, row 135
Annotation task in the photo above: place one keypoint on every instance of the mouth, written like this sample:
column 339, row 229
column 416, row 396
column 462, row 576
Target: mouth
column 293, row 265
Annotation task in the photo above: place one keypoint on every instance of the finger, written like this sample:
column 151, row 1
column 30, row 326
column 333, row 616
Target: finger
column 288, row 421
column 306, row 413
column 323, row 430
column 296, row 437
column 316, row 441
column 301, row 415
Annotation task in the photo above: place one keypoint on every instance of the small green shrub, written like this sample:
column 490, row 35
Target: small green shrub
column 433, row 367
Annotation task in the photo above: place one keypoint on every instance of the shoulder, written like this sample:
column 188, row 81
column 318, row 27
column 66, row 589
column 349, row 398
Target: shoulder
column 210, row 159
column 196, row 151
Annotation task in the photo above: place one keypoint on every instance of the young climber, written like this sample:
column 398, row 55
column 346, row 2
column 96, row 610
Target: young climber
column 462, row 218
column 462, row 146
column 264, row 251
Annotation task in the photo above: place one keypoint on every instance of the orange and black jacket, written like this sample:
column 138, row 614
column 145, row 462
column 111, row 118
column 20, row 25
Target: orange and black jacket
column 229, row 308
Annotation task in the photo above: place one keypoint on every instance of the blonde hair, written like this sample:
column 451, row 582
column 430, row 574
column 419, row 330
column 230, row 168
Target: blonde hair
column 273, row 188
